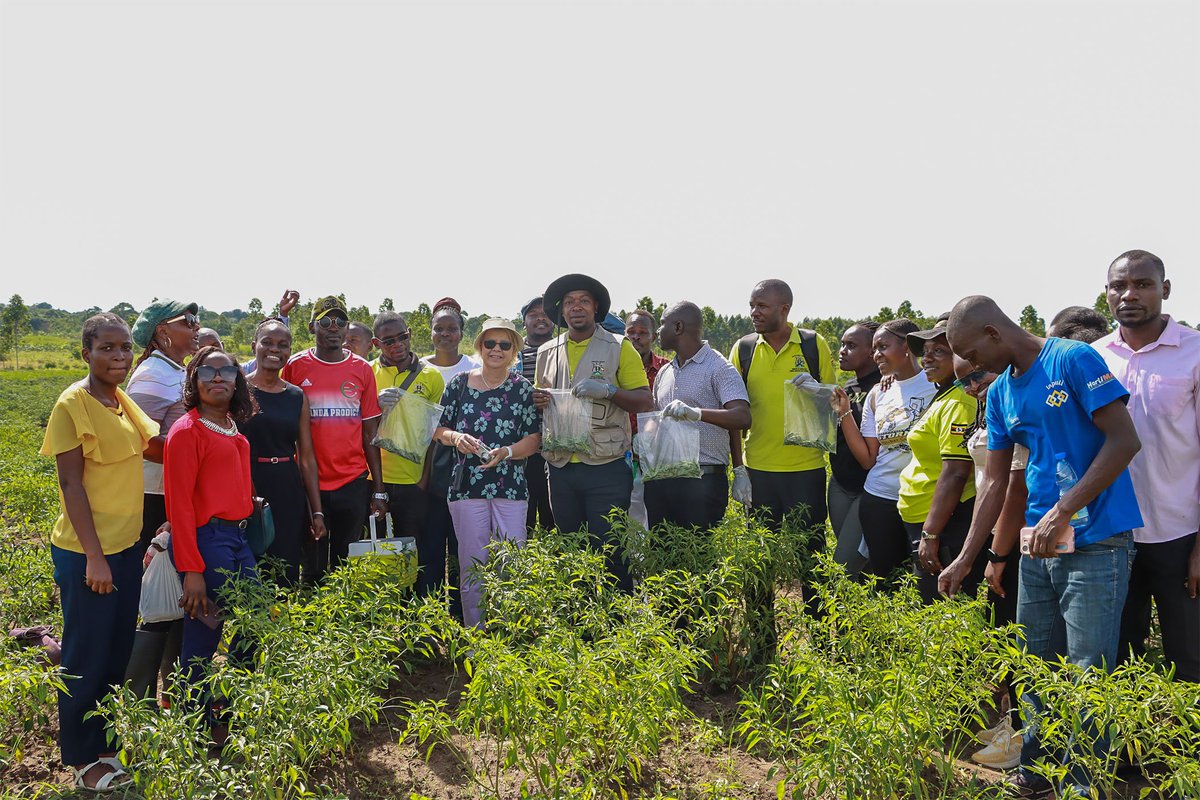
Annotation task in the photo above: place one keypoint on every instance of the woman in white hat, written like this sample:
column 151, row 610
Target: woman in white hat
column 492, row 423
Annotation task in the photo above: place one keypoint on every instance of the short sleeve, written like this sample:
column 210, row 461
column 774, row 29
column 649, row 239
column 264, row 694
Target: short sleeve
column 631, row 374
column 999, row 437
column 450, row 402
column 369, row 400
column 727, row 382
column 867, row 428
column 69, row 427
column 828, row 373
column 954, row 427
column 1090, row 379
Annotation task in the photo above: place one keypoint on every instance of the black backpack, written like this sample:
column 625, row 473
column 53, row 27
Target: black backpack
column 808, row 349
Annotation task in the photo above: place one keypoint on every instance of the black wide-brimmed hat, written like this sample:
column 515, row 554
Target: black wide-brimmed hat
column 917, row 339
column 553, row 297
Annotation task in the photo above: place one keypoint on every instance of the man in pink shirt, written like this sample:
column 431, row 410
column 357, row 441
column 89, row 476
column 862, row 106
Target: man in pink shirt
column 1158, row 361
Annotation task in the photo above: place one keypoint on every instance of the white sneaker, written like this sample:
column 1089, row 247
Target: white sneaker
column 1003, row 726
column 1004, row 751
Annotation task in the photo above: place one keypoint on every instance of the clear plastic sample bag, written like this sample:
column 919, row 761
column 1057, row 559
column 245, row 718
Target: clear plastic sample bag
column 667, row 447
column 406, row 428
column 808, row 418
column 566, row 423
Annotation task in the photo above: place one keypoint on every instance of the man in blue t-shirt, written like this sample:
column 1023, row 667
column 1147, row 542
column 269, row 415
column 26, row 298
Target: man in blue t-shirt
column 1058, row 398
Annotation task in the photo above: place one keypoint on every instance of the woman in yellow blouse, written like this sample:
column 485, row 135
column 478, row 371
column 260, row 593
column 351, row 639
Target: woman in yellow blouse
column 97, row 436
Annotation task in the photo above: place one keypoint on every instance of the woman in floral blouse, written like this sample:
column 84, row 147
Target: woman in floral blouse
column 491, row 421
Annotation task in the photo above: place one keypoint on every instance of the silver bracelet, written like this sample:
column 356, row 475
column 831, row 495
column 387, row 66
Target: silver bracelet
column 844, row 414
column 320, row 514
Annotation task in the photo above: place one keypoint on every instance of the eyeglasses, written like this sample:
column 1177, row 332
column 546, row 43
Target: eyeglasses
column 966, row 381
column 329, row 321
column 190, row 319
column 492, row 344
column 399, row 337
column 228, row 373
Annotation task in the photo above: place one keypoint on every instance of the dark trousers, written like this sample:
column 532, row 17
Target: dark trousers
column 439, row 569
column 538, row 515
column 156, row 646
column 799, row 497
column 950, row 544
column 1159, row 572
column 583, row 495
column 407, row 506
column 886, row 537
column 346, row 509
column 688, row 502
column 226, row 556
column 98, row 632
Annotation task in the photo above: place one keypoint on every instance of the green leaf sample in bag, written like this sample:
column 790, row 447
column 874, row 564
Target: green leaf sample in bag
column 566, row 423
column 808, row 418
column 406, row 428
column 667, row 447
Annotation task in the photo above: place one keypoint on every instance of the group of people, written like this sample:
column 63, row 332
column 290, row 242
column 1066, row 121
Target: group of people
column 968, row 452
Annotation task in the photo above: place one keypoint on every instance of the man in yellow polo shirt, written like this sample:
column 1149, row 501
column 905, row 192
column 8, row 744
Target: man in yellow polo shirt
column 783, row 477
column 398, row 370
column 604, row 369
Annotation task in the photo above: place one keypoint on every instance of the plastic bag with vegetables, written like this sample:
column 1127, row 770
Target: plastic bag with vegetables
column 667, row 447
column 808, row 418
column 406, row 428
column 566, row 423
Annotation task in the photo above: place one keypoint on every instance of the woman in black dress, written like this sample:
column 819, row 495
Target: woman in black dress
column 282, row 464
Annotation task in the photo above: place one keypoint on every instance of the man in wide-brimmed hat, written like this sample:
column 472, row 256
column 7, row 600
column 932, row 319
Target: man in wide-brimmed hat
column 601, row 368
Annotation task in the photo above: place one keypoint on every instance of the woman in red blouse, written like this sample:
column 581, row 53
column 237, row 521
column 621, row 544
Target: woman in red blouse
column 208, row 493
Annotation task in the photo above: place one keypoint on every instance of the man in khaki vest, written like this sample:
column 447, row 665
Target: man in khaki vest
column 605, row 371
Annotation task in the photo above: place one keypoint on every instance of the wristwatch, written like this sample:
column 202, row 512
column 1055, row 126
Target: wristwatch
column 380, row 496
column 926, row 536
column 995, row 558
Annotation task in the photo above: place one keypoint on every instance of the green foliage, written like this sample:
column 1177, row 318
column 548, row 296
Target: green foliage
column 875, row 698
column 1031, row 322
column 324, row 661
column 29, row 687
column 573, row 684
column 1149, row 721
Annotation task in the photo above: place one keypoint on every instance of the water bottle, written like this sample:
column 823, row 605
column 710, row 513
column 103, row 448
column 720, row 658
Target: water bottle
column 1064, row 476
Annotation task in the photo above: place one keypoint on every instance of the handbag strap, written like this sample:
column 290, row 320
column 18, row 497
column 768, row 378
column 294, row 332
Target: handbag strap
column 413, row 372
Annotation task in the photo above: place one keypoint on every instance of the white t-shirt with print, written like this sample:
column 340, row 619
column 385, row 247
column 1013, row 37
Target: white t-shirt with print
column 889, row 416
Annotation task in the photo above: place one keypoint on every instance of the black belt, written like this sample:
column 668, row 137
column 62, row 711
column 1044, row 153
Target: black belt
column 712, row 469
column 236, row 523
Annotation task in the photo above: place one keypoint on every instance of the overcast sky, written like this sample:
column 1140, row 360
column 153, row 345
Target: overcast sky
column 866, row 152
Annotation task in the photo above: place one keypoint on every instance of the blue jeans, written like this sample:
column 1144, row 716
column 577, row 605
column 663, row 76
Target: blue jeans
column 1071, row 606
column 226, row 555
column 97, row 638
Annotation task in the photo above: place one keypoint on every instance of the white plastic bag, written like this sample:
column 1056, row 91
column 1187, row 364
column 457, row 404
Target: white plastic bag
column 808, row 418
column 406, row 428
column 667, row 447
column 566, row 423
column 161, row 590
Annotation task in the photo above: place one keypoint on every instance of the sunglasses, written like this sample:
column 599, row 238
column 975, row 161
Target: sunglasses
column 966, row 381
column 329, row 321
column 399, row 337
column 190, row 319
column 492, row 344
column 206, row 373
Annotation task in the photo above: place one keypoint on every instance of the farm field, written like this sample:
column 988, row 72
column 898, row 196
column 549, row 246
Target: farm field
column 573, row 689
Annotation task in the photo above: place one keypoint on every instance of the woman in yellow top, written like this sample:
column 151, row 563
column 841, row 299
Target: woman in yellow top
column 98, row 437
column 937, row 487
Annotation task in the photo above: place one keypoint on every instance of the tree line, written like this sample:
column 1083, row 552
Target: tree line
column 237, row 326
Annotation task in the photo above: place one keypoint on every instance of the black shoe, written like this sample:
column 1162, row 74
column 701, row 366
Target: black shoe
column 1031, row 786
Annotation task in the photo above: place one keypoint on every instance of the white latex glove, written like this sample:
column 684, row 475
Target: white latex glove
column 593, row 389
column 741, row 485
column 389, row 397
column 681, row 410
column 806, row 382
